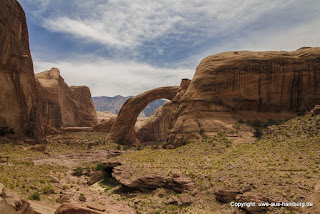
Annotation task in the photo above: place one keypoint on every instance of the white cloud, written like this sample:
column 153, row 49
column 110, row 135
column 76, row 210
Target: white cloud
column 202, row 27
column 128, row 24
column 109, row 78
column 118, row 24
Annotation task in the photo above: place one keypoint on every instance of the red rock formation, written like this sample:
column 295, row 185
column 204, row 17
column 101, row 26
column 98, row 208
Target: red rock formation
column 251, row 85
column 105, row 125
column 156, row 127
column 64, row 106
column 122, row 130
column 19, row 95
column 25, row 105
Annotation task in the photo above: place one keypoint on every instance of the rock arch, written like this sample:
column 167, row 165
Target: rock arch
column 122, row 131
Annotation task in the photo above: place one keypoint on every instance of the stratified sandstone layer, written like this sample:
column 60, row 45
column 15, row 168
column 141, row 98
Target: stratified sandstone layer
column 249, row 85
column 19, row 94
column 64, row 106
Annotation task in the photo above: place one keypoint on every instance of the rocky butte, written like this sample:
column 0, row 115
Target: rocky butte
column 250, row 85
column 233, row 85
column 32, row 105
column 65, row 106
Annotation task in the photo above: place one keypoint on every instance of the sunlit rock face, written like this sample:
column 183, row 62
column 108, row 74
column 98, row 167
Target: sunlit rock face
column 65, row 106
column 29, row 105
column 19, row 95
column 251, row 85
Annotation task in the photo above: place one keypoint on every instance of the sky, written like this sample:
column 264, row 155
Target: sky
column 126, row 47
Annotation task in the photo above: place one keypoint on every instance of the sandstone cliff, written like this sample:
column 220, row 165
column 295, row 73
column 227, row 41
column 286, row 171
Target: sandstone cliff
column 64, row 106
column 26, row 104
column 251, row 85
column 19, row 94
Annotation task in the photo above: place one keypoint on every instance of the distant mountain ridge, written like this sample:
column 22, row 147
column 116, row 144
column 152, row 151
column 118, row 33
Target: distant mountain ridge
column 113, row 104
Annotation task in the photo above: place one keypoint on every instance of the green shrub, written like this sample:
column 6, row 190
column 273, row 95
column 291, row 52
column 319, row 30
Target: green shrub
column 258, row 132
column 201, row 130
column 35, row 196
column 46, row 189
column 100, row 166
column 78, row 171
column 241, row 120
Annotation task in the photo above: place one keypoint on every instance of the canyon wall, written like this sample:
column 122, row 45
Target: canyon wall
column 19, row 92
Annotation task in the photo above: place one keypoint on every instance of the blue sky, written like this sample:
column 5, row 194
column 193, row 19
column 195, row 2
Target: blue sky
column 127, row 47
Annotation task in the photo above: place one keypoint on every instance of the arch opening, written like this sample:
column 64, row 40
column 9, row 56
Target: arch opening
column 153, row 128
column 122, row 131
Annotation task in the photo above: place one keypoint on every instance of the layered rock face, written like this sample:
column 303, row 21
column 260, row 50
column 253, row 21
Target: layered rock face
column 251, row 85
column 64, row 106
column 156, row 127
column 19, row 94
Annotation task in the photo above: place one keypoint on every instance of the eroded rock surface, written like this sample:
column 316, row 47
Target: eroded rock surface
column 122, row 130
column 75, row 208
column 177, row 182
column 314, row 198
column 20, row 103
column 65, row 106
column 12, row 203
column 156, row 127
column 250, row 85
column 31, row 105
column 315, row 110
column 105, row 125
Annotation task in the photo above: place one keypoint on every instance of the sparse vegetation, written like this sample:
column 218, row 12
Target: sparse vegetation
column 285, row 159
column 100, row 167
column 78, row 171
column 46, row 189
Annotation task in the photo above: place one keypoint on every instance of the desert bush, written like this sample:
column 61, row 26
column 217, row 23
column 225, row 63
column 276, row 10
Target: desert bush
column 100, row 166
column 201, row 130
column 257, row 132
column 241, row 121
column 35, row 196
column 46, row 189
column 78, row 171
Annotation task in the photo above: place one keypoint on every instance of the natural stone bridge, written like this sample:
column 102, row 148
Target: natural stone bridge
column 122, row 131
